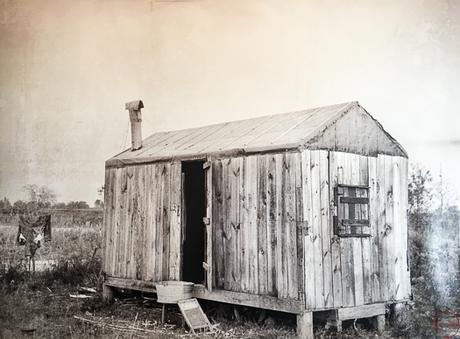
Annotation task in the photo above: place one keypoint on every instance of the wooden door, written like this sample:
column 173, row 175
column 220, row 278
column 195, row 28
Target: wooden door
column 207, row 166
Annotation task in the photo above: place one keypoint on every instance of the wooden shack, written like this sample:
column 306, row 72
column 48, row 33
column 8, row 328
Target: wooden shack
column 299, row 212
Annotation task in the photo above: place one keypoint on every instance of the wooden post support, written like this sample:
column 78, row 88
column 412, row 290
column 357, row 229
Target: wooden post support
column 305, row 325
column 107, row 293
column 380, row 323
column 333, row 321
column 163, row 312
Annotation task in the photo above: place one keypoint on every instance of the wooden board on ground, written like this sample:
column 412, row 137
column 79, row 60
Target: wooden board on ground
column 194, row 315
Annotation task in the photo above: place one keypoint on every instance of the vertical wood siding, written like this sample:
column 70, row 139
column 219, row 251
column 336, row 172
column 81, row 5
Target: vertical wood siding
column 142, row 222
column 272, row 226
column 257, row 214
column 355, row 271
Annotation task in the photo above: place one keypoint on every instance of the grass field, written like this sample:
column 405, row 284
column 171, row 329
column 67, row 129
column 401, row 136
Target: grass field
column 39, row 306
column 75, row 251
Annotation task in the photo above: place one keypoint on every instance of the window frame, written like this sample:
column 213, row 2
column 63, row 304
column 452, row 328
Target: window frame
column 338, row 222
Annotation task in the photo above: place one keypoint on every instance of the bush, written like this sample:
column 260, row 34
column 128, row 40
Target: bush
column 73, row 255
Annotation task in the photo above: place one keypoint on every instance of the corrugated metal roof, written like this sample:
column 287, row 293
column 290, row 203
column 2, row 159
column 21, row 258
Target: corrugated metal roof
column 279, row 131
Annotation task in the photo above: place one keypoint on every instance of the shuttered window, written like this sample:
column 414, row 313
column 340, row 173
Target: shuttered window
column 352, row 219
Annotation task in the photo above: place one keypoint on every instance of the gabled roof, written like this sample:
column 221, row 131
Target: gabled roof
column 295, row 130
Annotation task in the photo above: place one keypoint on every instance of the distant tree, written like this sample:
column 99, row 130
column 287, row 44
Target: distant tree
column 59, row 205
column 77, row 205
column 99, row 203
column 5, row 206
column 39, row 197
column 443, row 196
column 420, row 200
column 420, row 193
column 19, row 207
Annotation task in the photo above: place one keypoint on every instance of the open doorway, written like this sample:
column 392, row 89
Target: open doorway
column 194, row 209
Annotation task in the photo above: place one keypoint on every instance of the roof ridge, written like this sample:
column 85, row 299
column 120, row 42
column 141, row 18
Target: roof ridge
column 253, row 118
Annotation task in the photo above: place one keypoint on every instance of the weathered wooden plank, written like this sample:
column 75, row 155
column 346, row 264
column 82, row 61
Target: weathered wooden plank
column 218, row 224
column 243, row 228
column 209, row 216
column 283, row 202
column 316, row 229
column 308, row 237
column 299, row 228
column 326, row 231
column 105, row 224
column 357, row 245
column 404, row 240
column 235, row 177
column 383, row 248
column 271, row 226
column 133, row 224
column 166, row 183
column 127, row 225
column 374, row 243
column 144, row 215
column 400, row 228
column 335, row 241
column 365, row 242
column 291, row 223
column 354, row 200
column 132, row 284
column 116, row 220
column 261, row 225
column 252, row 243
column 123, row 215
column 175, row 221
column 248, row 299
column 389, row 234
column 145, row 227
column 113, row 221
column 280, row 268
column 159, row 222
column 152, row 229
column 229, row 231
column 344, row 177
column 108, row 213
column 138, row 236
column 363, row 311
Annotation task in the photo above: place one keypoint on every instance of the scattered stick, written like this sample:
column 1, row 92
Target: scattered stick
column 133, row 326
column 80, row 296
column 88, row 289
column 356, row 329
column 113, row 326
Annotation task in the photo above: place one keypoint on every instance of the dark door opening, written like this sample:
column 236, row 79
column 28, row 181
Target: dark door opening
column 193, row 248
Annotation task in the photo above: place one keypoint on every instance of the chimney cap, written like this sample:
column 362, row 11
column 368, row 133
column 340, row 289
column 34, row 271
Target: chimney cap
column 134, row 105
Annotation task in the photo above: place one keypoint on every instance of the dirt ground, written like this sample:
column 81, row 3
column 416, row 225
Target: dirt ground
column 41, row 307
column 34, row 310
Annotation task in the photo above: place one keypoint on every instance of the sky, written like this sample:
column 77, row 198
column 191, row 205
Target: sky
column 68, row 67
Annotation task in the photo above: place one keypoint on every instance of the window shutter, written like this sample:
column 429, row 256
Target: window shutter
column 352, row 218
